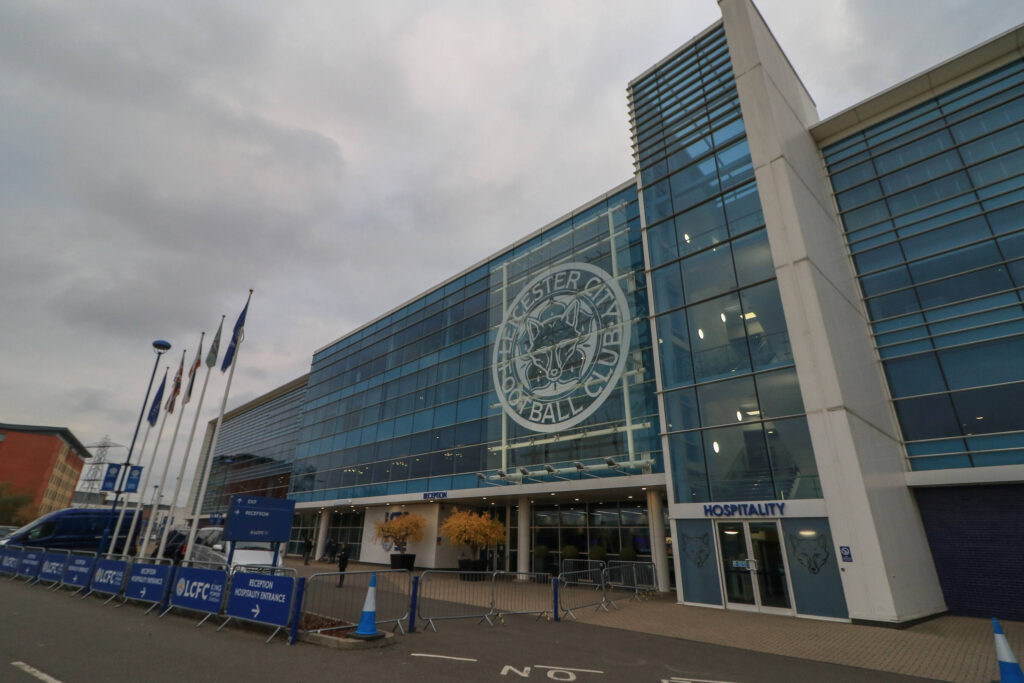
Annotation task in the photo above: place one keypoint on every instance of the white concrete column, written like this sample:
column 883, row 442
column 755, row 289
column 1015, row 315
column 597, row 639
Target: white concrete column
column 659, row 550
column 525, row 531
column 321, row 534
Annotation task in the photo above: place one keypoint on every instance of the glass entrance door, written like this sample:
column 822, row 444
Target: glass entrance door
column 753, row 566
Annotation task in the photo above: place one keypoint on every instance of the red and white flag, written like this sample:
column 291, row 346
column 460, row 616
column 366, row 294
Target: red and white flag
column 192, row 374
column 176, row 388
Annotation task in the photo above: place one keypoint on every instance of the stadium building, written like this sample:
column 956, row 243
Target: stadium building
column 782, row 361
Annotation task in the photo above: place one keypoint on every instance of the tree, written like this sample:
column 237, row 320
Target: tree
column 478, row 531
column 15, row 508
column 401, row 530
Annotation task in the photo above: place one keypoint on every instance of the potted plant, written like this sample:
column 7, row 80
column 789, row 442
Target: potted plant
column 540, row 557
column 399, row 531
column 477, row 530
column 627, row 554
column 598, row 553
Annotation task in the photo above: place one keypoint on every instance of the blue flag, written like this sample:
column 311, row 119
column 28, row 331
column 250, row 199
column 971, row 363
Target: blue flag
column 154, row 411
column 236, row 338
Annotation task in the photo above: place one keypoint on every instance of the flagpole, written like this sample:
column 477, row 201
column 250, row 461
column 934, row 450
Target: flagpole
column 141, row 494
column 216, row 433
column 167, row 462
column 188, row 446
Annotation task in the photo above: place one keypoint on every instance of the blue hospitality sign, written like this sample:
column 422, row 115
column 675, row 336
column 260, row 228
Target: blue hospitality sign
column 434, row 495
column 108, row 577
column 131, row 484
column 79, row 570
column 9, row 557
column 31, row 562
column 199, row 589
column 110, row 478
column 252, row 518
column 53, row 566
column 147, row 582
column 261, row 597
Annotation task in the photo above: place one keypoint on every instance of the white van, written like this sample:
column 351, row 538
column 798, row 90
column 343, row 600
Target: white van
column 211, row 547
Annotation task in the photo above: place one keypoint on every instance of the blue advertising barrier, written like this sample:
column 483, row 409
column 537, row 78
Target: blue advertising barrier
column 52, row 569
column 78, row 573
column 147, row 581
column 262, row 598
column 108, row 577
column 198, row 589
column 10, row 559
column 31, row 562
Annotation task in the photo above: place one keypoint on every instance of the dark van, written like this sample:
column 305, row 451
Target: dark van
column 73, row 529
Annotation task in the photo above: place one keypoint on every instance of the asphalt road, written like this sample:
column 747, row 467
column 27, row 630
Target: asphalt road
column 58, row 638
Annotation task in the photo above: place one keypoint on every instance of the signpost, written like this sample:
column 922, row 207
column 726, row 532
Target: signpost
column 252, row 518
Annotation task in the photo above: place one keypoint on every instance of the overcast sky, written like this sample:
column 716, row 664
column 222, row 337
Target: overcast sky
column 159, row 159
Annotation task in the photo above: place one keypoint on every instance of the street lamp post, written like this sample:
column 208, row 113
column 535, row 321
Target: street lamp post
column 160, row 347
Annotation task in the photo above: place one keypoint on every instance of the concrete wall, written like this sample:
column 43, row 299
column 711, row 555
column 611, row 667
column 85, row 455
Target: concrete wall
column 853, row 428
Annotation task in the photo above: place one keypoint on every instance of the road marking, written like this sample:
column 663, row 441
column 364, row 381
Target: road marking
column 32, row 671
column 565, row 668
column 458, row 659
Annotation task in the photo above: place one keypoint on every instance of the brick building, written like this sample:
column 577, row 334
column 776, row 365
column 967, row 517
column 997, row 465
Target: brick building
column 41, row 462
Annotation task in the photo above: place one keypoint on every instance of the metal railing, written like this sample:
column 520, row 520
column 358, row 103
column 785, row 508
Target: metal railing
column 448, row 594
column 577, row 590
column 521, row 593
column 334, row 600
column 581, row 567
column 638, row 577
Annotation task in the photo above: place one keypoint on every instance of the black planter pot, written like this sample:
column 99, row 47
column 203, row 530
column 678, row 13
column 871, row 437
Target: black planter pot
column 403, row 561
column 479, row 566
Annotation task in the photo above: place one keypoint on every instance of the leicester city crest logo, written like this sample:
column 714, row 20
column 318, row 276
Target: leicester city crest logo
column 561, row 347
column 180, row 587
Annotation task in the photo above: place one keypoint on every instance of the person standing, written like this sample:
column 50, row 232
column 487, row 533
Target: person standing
column 332, row 550
column 343, row 555
column 307, row 549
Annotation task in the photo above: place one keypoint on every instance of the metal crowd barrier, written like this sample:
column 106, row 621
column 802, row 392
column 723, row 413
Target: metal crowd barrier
column 587, row 570
column 448, row 594
column 638, row 577
column 52, row 569
column 328, row 606
column 78, row 571
column 521, row 593
column 577, row 590
column 10, row 558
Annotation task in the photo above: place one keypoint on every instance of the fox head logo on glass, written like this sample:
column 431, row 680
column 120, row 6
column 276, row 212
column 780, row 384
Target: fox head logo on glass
column 562, row 347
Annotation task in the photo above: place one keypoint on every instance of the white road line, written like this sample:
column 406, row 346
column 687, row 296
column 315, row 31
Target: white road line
column 458, row 659
column 32, row 671
column 565, row 668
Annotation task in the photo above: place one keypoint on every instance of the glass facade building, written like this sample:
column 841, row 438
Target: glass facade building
column 932, row 203
column 778, row 364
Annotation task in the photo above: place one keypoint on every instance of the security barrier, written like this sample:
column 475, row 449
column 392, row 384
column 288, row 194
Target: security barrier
column 78, row 571
column 334, row 600
column 108, row 576
column 636, row 577
column 10, row 559
column 198, row 588
column 445, row 594
column 31, row 562
column 52, row 569
column 148, row 581
column 593, row 569
column 521, row 593
column 577, row 590
column 261, row 594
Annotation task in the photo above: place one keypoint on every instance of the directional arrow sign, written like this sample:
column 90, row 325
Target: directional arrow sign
column 256, row 611
column 261, row 597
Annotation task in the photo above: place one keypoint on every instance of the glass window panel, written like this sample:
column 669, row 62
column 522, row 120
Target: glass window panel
column 885, row 281
column 1007, row 219
column 950, row 263
column 793, row 465
column 928, row 169
column 668, row 287
column 879, row 258
column 689, row 472
column 753, row 258
column 708, row 273
column 929, row 193
column 913, row 151
column 779, row 393
column 674, row 350
column 949, row 237
column 992, row 409
column 718, row 338
column 727, row 402
column 604, row 514
column 734, row 164
column 743, row 209
column 914, row 375
column 661, row 243
column 861, row 194
column 701, row 227
column 694, row 184
column 889, row 305
column 927, row 417
column 997, row 169
column 681, row 410
column 994, row 362
column 766, row 326
column 738, row 467
column 865, row 215
column 965, row 286
column 853, row 175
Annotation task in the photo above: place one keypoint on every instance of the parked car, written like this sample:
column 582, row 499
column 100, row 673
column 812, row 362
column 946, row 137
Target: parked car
column 74, row 529
column 177, row 540
column 6, row 530
column 211, row 547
